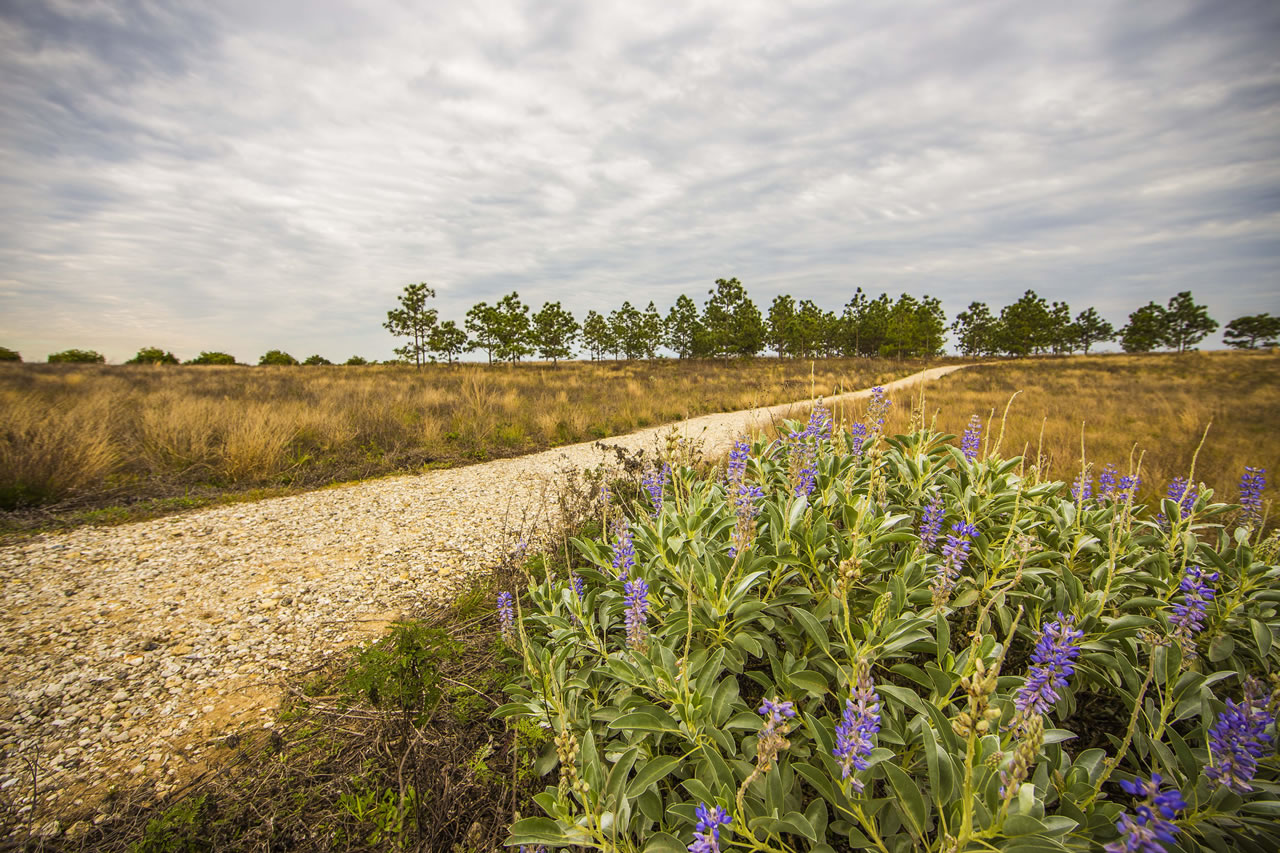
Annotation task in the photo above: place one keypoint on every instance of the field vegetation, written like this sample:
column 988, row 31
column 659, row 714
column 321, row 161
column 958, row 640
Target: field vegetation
column 93, row 437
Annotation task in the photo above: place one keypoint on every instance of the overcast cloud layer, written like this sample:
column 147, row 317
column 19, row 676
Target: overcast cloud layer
column 241, row 176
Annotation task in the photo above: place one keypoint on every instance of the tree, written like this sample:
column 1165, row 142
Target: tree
column 1146, row 330
column 849, row 330
column 77, row 356
column 413, row 320
column 554, row 331
column 355, row 361
column 316, row 359
column 513, row 328
column 733, row 322
column 483, row 321
column 976, row 330
column 7, row 354
column 1025, row 326
column 153, row 355
column 1186, row 323
column 782, row 315
column 1247, row 332
column 450, row 341
column 1062, row 333
column 651, row 322
column 682, row 328
column 627, row 332
column 1090, row 329
column 597, row 337
column 213, row 358
column 277, row 357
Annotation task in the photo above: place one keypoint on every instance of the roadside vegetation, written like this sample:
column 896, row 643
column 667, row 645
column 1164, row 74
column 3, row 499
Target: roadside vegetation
column 92, row 443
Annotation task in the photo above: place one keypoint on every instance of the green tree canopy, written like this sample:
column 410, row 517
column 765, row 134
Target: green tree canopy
column 413, row 320
column 976, row 330
column 1186, row 323
column 153, row 355
column 77, row 356
column 513, row 329
column 449, row 341
column 355, row 361
column 1090, row 329
column 554, row 331
column 1251, row 331
column 277, row 357
column 316, row 359
column 1147, row 329
column 627, row 331
column 597, row 336
column 733, row 322
column 7, row 354
column 483, row 321
column 782, row 314
column 682, row 328
column 213, row 358
column 1025, row 326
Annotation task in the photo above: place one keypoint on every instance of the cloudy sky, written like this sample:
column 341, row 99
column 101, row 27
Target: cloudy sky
column 216, row 174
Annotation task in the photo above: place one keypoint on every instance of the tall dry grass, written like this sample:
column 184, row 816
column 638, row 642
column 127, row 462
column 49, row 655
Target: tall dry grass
column 125, row 432
column 1154, row 409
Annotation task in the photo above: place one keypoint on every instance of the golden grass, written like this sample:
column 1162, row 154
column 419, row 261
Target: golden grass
column 1153, row 408
column 130, row 432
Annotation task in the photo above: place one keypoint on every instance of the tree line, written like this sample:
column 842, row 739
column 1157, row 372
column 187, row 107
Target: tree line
column 730, row 324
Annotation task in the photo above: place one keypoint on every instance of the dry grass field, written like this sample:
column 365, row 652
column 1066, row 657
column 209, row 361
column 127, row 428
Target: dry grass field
column 89, row 436
column 1149, row 407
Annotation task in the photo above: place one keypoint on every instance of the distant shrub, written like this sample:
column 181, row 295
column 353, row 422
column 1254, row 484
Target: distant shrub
column 153, row 355
column 213, row 358
column 276, row 356
column 317, row 359
column 7, row 354
column 355, row 361
column 77, row 356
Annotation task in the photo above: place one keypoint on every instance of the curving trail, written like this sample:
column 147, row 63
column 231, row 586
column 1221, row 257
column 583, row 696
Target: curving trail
column 126, row 652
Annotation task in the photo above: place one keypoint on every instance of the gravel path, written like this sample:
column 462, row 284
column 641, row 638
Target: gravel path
column 126, row 653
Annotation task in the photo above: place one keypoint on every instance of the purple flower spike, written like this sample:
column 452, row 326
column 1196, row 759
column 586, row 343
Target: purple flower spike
column 860, row 723
column 624, row 552
column 1188, row 614
column 1238, row 739
column 1107, row 481
column 637, row 610
column 506, row 614
column 931, row 523
column 1151, row 829
column 655, row 483
column 1252, row 484
column 858, row 435
column 1054, row 659
column 1082, row 488
column 954, row 554
column 969, row 442
column 706, row 835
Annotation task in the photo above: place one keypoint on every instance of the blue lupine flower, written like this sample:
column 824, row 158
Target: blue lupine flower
column 506, row 614
column 1107, row 481
column 738, row 461
column 1127, row 489
column 857, row 436
column 954, row 553
column 1082, row 488
column 1184, row 494
column 774, row 713
column 1188, row 614
column 877, row 409
column 579, row 586
column 1054, row 659
column 1238, row 739
column 969, row 441
column 931, row 522
column 637, row 609
column 819, row 426
column 804, row 464
column 1149, row 831
column 1252, row 484
column 534, row 848
column 706, row 835
column 859, row 724
column 655, row 483
column 624, row 551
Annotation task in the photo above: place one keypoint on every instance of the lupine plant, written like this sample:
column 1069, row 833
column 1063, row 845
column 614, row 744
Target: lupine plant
column 763, row 668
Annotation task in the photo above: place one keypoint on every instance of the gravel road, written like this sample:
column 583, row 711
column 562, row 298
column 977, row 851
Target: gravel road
column 127, row 653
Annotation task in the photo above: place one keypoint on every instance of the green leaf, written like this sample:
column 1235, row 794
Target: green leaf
column 1221, row 647
column 811, row 681
column 811, row 627
column 663, row 842
column 537, row 830
column 646, row 721
column 618, row 775
column 800, row 825
column 651, row 771
column 1261, row 636
column 910, row 801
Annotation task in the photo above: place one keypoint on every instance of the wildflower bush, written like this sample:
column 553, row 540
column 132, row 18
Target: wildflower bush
column 856, row 641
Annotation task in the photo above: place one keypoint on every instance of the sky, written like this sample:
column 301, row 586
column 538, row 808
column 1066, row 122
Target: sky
column 240, row 176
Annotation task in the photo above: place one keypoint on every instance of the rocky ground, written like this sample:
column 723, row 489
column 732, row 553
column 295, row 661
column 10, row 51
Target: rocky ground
column 129, row 654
